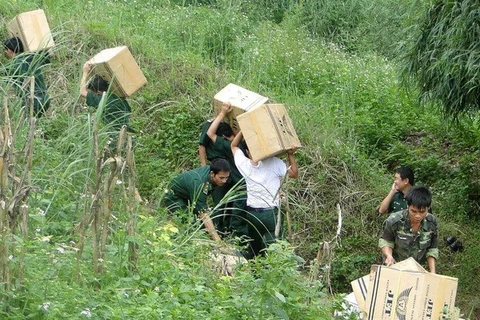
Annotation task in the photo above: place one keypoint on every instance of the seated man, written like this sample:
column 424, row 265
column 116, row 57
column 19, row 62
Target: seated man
column 411, row 232
column 117, row 110
column 395, row 200
column 190, row 189
column 263, row 179
column 22, row 68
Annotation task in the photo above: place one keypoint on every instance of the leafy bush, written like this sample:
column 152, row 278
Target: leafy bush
column 355, row 121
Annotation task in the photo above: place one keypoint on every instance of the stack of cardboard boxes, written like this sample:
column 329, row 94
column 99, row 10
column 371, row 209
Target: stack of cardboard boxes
column 405, row 291
column 267, row 128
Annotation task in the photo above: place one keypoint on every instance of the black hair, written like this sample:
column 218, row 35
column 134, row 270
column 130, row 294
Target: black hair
column 14, row 44
column 97, row 84
column 219, row 164
column 419, row 196
column 406, row 172
column 224, row 129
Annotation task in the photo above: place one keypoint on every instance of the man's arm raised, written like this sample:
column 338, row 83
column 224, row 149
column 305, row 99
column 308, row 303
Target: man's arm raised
column 212, row 131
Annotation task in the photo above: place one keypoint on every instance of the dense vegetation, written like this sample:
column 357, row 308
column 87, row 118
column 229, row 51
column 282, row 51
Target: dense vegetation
column 334, row 64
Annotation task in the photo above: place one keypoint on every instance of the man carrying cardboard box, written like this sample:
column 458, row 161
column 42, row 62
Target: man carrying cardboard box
column 217, row 142
column 411, row 232
column 24, row 67
column 116, row 112
column 263, row 179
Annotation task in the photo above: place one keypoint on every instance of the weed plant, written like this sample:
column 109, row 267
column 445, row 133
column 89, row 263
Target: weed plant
column 354, row 119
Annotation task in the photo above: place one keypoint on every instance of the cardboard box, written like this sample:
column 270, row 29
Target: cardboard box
column 241, row 99
column 360, row 285
column 360, row 290
column 409, row 264
column 119, row 68
column 410, row 295
column 268, row 131
column 32, row 29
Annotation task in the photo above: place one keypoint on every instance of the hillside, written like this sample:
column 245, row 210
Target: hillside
column 336, row 68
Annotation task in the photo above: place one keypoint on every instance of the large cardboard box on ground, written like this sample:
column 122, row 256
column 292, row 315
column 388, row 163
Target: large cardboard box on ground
column 360, row 285
column 409, row 295
column 33, row 30
column 241, row 99
column 117, row 66
column 268, row 131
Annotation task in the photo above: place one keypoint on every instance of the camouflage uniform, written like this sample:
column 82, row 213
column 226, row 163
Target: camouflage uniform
column 398, row 235
column 397, row 203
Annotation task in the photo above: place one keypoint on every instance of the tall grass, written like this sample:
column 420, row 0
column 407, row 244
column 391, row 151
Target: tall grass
column 355, row 121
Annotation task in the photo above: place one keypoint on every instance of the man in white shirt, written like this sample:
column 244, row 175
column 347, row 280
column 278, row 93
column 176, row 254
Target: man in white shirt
column 263, row 179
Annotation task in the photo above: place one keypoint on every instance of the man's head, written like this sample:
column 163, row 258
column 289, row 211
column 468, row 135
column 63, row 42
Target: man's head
column 404, row 178
column 419, row 200
column 97, row 84
column 13, row 46
column 219, row 171
column 224, row 130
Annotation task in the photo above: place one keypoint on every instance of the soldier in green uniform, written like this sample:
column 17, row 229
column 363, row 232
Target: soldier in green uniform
column 395, row 200
column 192, row 188
column 216, row 138
column 24, row 66
column 117, row 110
column 411, row 232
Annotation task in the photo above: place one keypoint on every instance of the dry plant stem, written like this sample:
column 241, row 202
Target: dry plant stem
column 14, row 193
column 115, row 165
column 4, row 218
column 100, row 208
column 325, row 253
column 287, row 218
column 131, row 207
column 27, row 175
column 95, row 206
column 32, row 95
column 88, row 212
column 278, row 224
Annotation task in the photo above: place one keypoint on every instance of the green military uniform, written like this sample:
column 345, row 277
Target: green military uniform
column 116, row 113
column 24, row 66
column 397, row 203
column 221, row 149
column 398, row 235
column 190, row 188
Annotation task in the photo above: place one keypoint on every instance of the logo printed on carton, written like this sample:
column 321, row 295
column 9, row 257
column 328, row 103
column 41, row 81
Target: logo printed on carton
column 402, row 301
column 401, row 310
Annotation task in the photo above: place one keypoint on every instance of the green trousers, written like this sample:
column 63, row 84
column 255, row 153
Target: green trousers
column 261, row 228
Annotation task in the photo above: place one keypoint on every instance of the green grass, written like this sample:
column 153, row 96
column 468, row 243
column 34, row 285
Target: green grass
column 355, row 121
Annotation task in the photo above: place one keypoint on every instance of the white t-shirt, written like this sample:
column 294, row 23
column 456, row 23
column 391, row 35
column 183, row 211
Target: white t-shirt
column 263, row 181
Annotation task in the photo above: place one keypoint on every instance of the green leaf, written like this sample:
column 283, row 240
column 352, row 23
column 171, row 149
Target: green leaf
column 280, row 296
